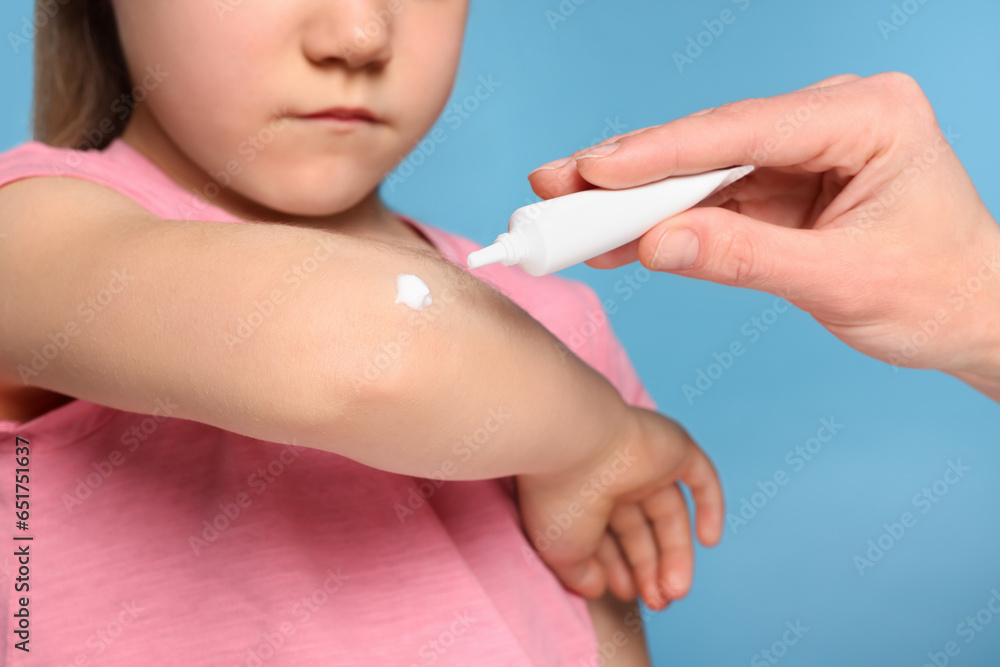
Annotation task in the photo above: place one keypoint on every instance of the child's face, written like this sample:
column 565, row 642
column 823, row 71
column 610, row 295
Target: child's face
column 239, row 78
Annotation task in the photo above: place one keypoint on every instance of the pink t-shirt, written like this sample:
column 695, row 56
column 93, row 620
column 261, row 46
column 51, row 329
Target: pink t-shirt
column 163, row 541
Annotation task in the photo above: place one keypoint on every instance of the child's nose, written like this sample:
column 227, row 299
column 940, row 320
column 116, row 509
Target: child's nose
column 357, row 32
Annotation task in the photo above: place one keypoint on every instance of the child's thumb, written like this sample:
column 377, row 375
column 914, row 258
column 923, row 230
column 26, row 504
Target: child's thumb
column 719, row 245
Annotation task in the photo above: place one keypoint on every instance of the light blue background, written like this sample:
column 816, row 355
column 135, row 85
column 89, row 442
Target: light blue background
column 793, row 561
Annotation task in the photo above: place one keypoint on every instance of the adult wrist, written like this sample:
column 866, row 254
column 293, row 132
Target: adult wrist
column 984, row 334
column 987, row 384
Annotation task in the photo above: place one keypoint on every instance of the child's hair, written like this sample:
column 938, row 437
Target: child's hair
column 80, row 73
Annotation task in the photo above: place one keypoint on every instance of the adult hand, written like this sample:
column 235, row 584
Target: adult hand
column 875, row 227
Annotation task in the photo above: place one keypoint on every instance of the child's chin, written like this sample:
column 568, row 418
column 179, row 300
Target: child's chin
column 332, row 201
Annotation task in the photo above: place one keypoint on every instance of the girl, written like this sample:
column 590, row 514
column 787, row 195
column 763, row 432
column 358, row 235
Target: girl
column 263, row 442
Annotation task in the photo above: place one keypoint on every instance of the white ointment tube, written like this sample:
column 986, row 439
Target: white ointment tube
column 549, row 236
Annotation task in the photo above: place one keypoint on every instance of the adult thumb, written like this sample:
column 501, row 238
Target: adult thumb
column 729, row 248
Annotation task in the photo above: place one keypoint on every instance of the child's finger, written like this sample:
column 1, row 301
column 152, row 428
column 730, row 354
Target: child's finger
column 585, row 577
column 668, row 511
column 700, row 476
column 616, row 570
column 635, row 534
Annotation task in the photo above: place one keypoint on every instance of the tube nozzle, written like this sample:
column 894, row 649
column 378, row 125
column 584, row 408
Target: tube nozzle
column 489, row 255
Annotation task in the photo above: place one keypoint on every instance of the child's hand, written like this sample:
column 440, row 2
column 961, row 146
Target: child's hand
column 621, row 521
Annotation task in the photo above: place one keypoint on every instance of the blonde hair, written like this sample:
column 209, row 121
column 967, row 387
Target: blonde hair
column 80, row 72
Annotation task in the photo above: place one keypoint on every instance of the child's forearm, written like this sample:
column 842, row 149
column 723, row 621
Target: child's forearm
column 293, row 334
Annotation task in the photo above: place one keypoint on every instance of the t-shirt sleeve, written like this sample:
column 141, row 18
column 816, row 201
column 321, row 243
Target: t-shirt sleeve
column 614, row 363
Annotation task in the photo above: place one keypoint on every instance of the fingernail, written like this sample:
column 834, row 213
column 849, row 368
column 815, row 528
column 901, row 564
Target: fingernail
column 603, row 150
column 555, row 164
column 678, row 249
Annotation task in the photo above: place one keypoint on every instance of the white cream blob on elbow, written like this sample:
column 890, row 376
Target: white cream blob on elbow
column 412, row 291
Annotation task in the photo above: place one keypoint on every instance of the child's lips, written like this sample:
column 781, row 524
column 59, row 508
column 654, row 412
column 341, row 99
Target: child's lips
column 343, row 117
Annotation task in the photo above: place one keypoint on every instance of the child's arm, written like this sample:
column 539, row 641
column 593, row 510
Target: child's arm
column 141, row 308
column 620, row 637
column 150, row 308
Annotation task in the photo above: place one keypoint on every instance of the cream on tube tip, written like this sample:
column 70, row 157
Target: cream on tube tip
column 551, row 235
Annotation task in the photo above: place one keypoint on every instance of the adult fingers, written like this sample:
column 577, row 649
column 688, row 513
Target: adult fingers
column 557, row 178
column 835, row 80
column 620, row 256
column 825, row 83
column 726, row 247
column 560, row 176
column 815, row 129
